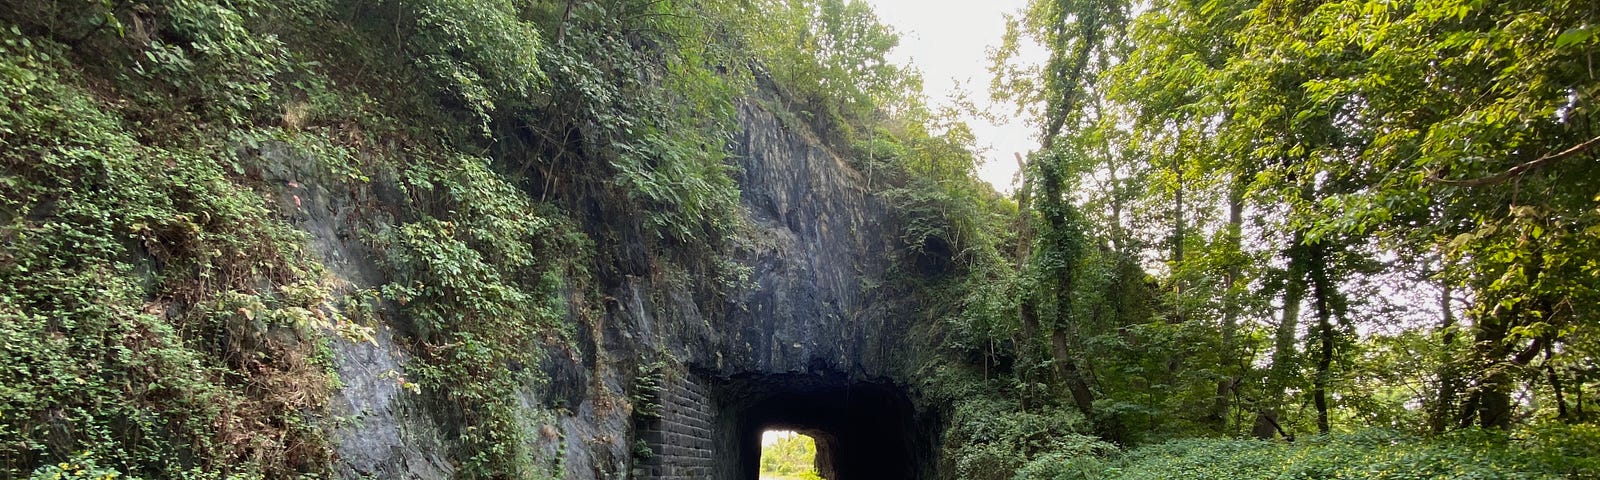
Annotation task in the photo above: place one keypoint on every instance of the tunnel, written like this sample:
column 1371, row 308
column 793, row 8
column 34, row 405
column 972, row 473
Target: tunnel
column 864, row 429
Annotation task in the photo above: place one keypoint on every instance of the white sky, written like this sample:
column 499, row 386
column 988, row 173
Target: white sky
column 770, row 437
column 948, row 41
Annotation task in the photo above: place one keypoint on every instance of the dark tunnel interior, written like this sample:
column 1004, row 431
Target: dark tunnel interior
column 864, row 430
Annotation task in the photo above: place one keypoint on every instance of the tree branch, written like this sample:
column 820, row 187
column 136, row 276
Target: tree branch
column 1517, row 170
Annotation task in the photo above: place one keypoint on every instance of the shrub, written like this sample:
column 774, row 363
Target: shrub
column 1545, row 452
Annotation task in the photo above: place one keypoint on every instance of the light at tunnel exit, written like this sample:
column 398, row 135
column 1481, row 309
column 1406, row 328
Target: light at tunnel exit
column 788, row 455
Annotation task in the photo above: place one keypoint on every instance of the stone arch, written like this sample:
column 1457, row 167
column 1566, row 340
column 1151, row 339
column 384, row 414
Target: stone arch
column 864, row 429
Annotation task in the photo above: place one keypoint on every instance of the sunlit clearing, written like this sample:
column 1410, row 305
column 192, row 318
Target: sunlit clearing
column 787, row 455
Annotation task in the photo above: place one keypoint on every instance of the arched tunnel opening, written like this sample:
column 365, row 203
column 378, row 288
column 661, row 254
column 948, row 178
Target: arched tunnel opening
column 864, row 430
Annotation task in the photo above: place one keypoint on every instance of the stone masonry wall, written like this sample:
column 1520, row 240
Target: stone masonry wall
column 681, row 438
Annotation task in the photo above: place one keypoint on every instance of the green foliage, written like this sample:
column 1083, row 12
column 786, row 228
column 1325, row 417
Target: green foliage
column 647, row 386
column 188, row 348
column 1293, row 172
column 127, row 128
column 215, row 64
column 160, row 315
column 792, row 456
column 688, row 188
column 655, row 97
column 831, row 55
column 197, row 59
column 484, row 52
column 82, row 467
column 471, row 277
column 157, row 320
column 990, row 435
column 1545, row 452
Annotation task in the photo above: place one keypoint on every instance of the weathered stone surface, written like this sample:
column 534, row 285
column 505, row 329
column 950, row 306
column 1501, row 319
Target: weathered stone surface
column 376, row 425
column 809, row 327
column 823, row 239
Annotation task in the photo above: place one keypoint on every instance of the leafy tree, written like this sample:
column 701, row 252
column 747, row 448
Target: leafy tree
column 1278, row 165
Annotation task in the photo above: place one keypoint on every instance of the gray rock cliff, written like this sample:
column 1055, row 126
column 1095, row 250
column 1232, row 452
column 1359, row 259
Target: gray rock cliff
column 808, row 329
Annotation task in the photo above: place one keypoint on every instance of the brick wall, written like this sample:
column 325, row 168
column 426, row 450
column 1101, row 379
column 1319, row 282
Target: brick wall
column 681, row 438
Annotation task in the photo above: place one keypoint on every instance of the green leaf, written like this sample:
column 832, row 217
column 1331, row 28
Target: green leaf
column 1575, row 36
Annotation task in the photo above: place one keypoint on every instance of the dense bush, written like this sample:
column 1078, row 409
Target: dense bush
column 482, row 51
column 991, row 435
column 1545, row 452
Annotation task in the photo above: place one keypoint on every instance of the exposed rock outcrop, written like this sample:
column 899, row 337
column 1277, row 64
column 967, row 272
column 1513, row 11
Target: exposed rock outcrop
column 808, row 342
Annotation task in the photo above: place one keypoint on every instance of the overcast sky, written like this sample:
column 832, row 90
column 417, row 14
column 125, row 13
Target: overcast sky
column 948, row 41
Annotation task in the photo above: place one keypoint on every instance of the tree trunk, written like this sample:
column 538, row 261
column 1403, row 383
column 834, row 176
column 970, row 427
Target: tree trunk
column 1555, row 384
column 1284, row 355
column 1119, row 236
column 1449, row 376
column 1493, row 394
column 1230, row 303
column 1177, row 219
column 566, row 16
column 1494, row 350
column 1324, row 298
column 1065, row 239
column 1067, row 369
column 1180, row 310
column 1577, row 411
column 1029, row 316
column 1027, row 312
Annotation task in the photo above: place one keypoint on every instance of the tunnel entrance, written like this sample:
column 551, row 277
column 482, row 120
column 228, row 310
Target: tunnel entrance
column 864, row 430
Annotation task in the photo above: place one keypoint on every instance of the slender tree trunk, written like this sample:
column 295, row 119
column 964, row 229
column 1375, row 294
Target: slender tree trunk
column 1577, row 411
column 1064, row 81
column 566, row 16
column 1324, row 298
column 1284, row 354
column 1065, row 239
column 1177, row 222
column 1180, row 311
column 1230, row 302
column 1027, row 312
column 1449, row 375
column 1113, row 170
column 1030, row 320
column 1555, row 384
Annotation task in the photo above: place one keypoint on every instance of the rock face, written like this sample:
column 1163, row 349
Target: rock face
column 816, row 347
column 822, row 243
column 809, row 343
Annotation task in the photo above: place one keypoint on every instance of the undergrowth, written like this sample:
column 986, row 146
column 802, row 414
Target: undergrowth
column 473, row 281
column 990, row 434
column 1540, row 452
column 156, row 319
